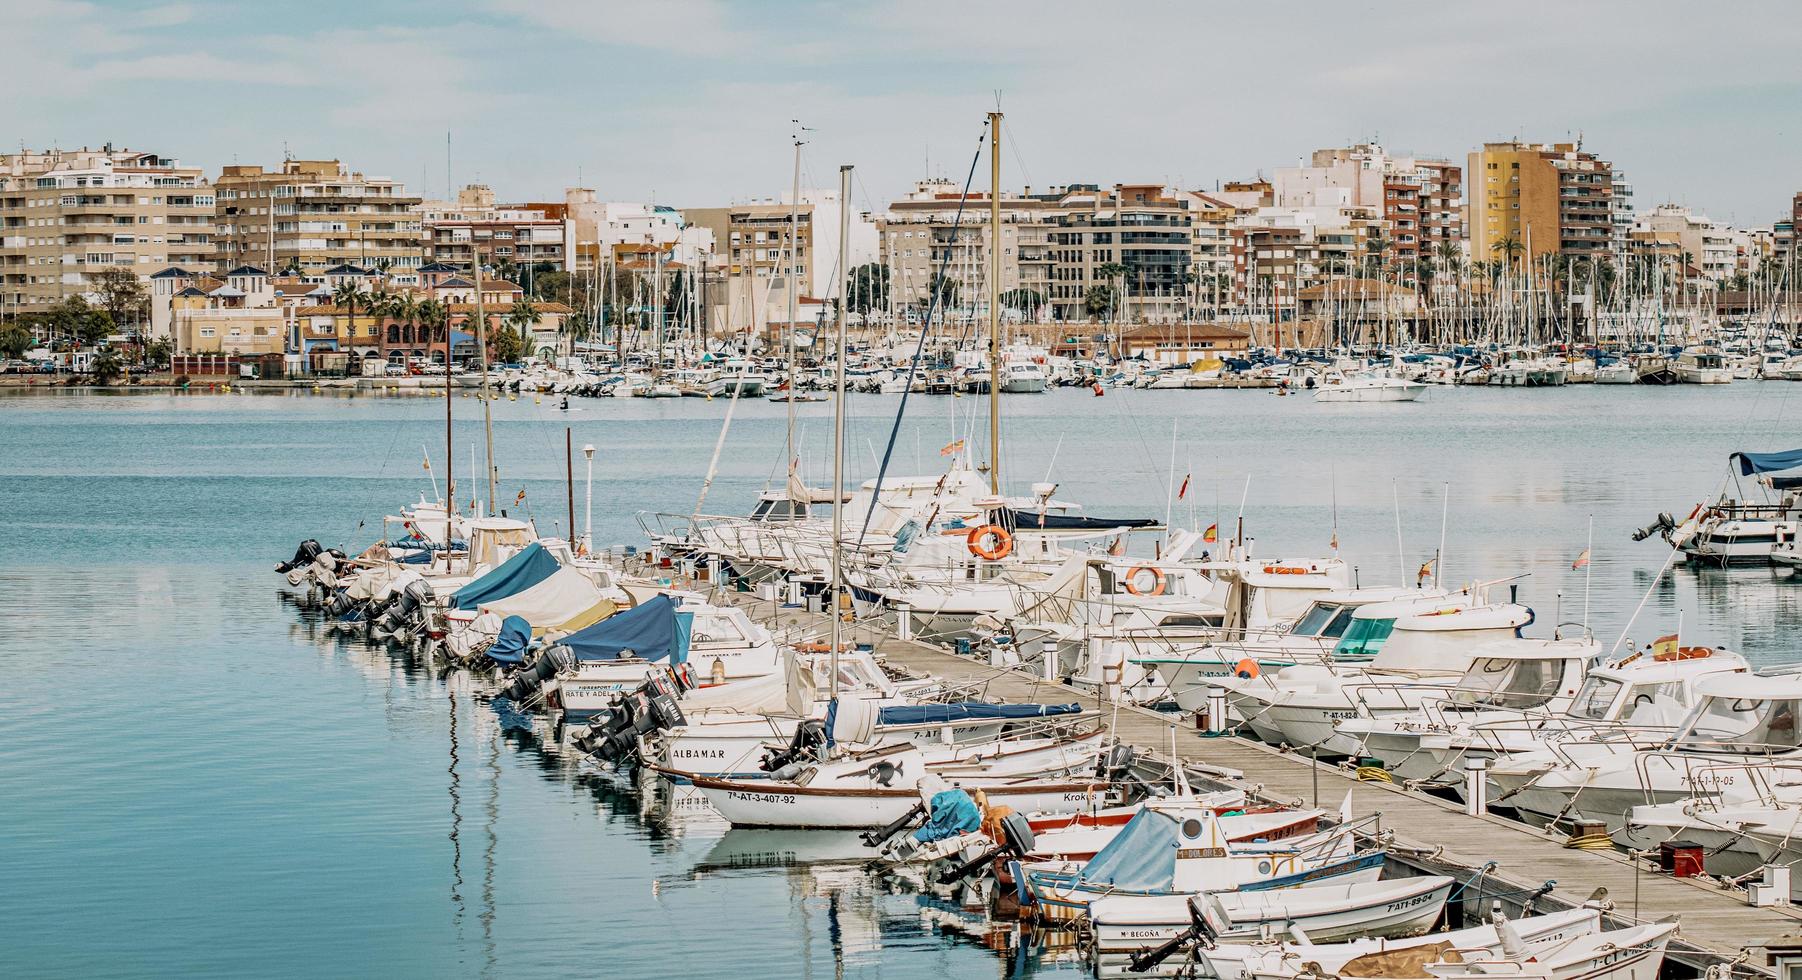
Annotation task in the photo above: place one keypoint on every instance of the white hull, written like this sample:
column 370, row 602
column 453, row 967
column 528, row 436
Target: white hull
column 1326, row 913
column 769, row 804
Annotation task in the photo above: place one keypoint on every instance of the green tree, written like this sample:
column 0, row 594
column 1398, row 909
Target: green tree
column 74, row 318
column 157, row 352
column 436, row 318
column 1507, row 249
column 522, row 318
column 1025, row 300
column 1099, row 300
column 507, row 344
column 944, row 289
column 15, row 339
column 106, row 367
column 122, row 296
column 349, row 295
column 868, row 287
column 554, row 286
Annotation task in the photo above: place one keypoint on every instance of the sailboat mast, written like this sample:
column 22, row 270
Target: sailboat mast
column 838, row 421
column 995, row 303
column 794, row 240
column 450, row 462
column 475, row 265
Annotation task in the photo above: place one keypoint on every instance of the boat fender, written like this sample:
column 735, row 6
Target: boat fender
column 1246, row 669
column 1158, row 582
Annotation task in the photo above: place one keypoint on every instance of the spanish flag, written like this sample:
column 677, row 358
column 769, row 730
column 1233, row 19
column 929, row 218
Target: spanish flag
column 428, row 464
column 1183, row 491
column 1212, row 534
column 1582, row 560
column 1665, row 646
column 952, row 448
column 1426, row 570
column 521, row 498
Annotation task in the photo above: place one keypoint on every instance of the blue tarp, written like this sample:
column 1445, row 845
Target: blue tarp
column 517, row 574
column 953, row 813
column 1750, row 463
column 651, row 631
column 510, row 646
column 1141, row 857
column 928, row 714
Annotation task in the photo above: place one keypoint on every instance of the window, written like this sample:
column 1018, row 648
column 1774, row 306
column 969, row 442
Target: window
column 1364, row 637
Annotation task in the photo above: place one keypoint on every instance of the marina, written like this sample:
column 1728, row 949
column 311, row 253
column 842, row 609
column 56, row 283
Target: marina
column 767, row 492
column 1740, row 607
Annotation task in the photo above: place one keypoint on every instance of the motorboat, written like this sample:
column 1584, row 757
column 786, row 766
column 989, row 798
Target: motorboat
column 1337, row 387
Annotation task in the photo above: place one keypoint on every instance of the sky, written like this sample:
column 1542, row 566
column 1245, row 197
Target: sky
column 691, row 102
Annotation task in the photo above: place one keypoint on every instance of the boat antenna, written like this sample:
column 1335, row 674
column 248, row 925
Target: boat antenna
column 995, row 300
column 1445, row 510
column 1401, row 554
column 838, row 426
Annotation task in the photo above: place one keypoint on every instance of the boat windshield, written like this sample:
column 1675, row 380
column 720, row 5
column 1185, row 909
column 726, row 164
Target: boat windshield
column 1323, row 619
column 1750, row 726
column 1502, row 682
column 1595, row 698
column 1364, row 637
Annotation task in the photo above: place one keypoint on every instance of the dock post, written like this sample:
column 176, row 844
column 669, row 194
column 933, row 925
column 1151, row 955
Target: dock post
column 794, row 592
column 1216, row 712
column 904, row 622
column 1048, row 660
column 1476, row 787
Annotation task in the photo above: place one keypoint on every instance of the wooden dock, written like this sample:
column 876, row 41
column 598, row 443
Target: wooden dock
column 1717, row 924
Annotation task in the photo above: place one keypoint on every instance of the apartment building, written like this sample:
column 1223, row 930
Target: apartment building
column 753, row 249
column 600, row 228
column 1709, row 249
column 531, row 236
column 1546, row 198
column 310, row 215
column 1418, row 201
column 67, row 215
column 936, row 229
column 1134, row 238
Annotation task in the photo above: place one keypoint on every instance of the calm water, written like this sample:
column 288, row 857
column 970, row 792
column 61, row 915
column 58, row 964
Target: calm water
column 194, row 782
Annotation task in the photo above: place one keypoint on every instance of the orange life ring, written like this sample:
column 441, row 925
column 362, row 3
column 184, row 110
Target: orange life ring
column 1157, row 586
column 1246, row 669
column 1003, row 546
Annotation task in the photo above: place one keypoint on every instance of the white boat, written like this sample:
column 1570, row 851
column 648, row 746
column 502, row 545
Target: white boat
column 875, row 788
column 1698, row 366
column 1336, row 387
column 1324, row 913
column 1022, row 378
column 1379, row 957
column 1739, row 717
column 1516, row 950
column 1617, row 372
column 1509, row 706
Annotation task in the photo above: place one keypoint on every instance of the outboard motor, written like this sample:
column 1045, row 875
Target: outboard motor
column 530, row 679
column 810, row 736
column 1663, row 524
column 1016, row 841
column 407, row 607
column 303, row 556
column 1199, row 933
column 1115, row 765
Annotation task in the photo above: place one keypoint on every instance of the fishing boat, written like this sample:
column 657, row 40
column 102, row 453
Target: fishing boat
column 1735, row 529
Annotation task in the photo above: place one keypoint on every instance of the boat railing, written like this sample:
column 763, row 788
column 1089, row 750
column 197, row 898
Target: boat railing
column 1749, row 782
column 1556, row 730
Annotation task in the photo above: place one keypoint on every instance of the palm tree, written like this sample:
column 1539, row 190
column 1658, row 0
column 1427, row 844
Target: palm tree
column 405, row 307
column 523, row 317
column 1508, row 248
column 1114, row 273
column 436, row 317
column 348, row 294
column 1377, row 247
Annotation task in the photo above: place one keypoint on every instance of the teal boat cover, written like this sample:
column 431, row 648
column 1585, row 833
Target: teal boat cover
column 933, row 714
column 531, row 566
column 653, row 630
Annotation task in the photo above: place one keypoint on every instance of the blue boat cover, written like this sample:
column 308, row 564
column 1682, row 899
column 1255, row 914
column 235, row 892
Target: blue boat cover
column 651, row 631
column 531, row 566
column 510, row 646
column 930, row 714
column 1140, row 858
column 1750, row 463
column 953, row 813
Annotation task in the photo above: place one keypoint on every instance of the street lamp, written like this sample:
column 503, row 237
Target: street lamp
column 588, row 501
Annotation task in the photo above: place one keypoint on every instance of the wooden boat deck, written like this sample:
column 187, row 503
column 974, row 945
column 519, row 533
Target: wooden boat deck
column 1717, row 924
